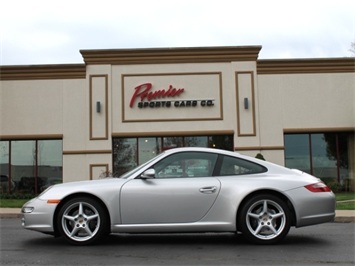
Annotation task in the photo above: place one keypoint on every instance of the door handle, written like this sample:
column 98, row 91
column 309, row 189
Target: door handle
column 208, row 190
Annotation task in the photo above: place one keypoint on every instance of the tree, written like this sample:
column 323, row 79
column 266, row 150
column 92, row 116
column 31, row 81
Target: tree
column 260, row 157
column 337, row 147
column 352, row 48
column 124, row 154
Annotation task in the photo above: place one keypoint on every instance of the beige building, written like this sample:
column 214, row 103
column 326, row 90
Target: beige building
column 121, row 107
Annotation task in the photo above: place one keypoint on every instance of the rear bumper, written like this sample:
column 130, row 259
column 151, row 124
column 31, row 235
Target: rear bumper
column 312, row 207
column 316, row 219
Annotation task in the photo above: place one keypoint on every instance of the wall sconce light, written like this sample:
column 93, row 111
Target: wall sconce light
column 98, row 107
column 246, row 103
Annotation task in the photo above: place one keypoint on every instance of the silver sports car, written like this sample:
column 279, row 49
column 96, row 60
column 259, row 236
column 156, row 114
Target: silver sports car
column 185, row 190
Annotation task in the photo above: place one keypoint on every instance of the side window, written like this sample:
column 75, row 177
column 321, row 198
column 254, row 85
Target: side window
column 186, row 164
column 236, row 166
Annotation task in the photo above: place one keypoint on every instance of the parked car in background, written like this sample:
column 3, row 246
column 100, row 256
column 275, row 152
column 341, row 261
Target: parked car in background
column 6, row 184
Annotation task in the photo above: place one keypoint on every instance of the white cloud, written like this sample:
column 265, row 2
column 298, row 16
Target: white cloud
column 41, row 31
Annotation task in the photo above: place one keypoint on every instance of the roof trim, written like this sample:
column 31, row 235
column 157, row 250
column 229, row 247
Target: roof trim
column 65, row 71
column 32, row 137
column 171, row 55
column 172, row 133
column 318, row 130
column 295, row 66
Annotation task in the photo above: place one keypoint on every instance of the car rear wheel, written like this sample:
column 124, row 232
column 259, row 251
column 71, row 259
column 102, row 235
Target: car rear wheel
column 82, row 221
column 264, row 219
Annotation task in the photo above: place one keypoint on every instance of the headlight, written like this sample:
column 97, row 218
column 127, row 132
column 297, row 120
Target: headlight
column 27, row 209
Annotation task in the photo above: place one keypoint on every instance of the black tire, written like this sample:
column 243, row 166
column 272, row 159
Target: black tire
column 82, row 221
column 264, row 219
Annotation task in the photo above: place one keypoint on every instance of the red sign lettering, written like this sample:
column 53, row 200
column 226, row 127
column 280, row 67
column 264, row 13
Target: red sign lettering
column 143, row 91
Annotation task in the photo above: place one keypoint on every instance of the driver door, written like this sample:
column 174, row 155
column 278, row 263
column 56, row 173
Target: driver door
column 182, row 191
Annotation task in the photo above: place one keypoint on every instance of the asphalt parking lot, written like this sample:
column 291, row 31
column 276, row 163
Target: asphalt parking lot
column 325, row 244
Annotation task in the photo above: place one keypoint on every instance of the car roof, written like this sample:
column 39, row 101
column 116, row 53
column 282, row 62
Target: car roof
column 201, row 149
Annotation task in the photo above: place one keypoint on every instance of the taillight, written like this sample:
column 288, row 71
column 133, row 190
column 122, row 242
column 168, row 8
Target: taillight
column 318, row 187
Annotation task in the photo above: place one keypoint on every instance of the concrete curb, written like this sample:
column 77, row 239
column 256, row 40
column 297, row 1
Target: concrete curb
column 344, row 219
column 342, row 216
column 10, row 213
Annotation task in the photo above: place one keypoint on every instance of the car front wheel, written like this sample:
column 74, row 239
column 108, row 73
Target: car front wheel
column 264, row 219
column 82, row 221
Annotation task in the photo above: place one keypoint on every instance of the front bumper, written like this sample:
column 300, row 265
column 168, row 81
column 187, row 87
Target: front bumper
column 38, row 215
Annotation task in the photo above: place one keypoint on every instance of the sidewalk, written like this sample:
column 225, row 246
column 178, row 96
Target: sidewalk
column 341, row 216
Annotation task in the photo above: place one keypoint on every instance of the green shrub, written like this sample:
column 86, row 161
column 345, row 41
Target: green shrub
column 334, row 185
column 260, row 157
column 26, row 196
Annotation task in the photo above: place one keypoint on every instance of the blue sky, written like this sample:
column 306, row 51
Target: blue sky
column 53, row 32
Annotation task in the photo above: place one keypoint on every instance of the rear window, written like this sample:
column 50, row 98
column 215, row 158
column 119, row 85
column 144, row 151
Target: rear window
column 237, row 166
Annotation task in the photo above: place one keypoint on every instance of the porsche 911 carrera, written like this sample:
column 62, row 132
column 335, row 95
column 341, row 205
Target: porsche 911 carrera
column 185, row 190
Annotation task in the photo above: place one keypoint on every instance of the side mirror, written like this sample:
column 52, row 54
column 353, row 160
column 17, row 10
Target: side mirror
column 148, row 174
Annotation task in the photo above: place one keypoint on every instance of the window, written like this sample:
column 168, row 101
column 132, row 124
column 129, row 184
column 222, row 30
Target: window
column 328, row 156
column 148, row 149
column 30, row 166
column 236, row 166
column 196, row 141
column 297, row 152
column 324, row 164
column 187, row 164
column 172, row 142
column 124, row 155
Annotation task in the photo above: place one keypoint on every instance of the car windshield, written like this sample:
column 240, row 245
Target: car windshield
column 139, row 167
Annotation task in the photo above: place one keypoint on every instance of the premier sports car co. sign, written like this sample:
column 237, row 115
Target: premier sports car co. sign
column 169, row 97
column 149, row 98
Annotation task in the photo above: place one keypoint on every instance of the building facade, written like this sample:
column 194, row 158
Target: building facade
column 62, row 123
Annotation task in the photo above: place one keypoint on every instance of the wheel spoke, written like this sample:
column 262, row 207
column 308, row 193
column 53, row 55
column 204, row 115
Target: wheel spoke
column 91, row 217
column 75, row 230
column 70, row 218
column 81, row 209
column 87, row 230
column 258, row 229
column 277, row 215
column 273, row 230
column 253, row 215
column 265, row 210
